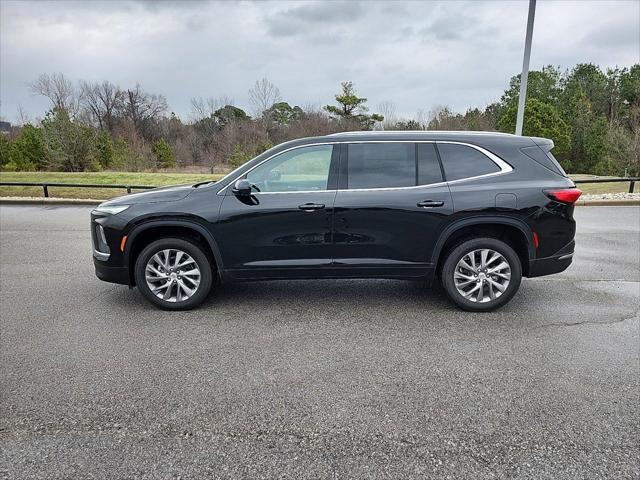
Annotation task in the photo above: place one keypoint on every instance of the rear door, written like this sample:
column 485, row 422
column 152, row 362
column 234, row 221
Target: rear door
column 391, row 206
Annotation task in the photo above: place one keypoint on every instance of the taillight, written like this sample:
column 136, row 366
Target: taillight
column 565, row 195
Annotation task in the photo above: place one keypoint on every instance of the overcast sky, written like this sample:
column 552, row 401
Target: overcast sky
column 416, row 54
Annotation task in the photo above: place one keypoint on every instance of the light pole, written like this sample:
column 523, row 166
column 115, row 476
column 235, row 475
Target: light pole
column 525, row 67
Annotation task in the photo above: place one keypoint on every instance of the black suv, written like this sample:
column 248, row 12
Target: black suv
column 478, row 210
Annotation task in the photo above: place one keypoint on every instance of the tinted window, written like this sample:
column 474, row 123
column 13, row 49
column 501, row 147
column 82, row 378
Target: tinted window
column 544, row 159
column 460, row 161
column 380, row 165
column 305, row 168
column 428, row 165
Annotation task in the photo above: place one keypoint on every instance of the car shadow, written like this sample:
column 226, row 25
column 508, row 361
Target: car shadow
column 326, row 292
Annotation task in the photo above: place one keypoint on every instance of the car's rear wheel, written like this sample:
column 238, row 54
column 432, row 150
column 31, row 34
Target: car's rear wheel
column 481, row 274
column 174, row 274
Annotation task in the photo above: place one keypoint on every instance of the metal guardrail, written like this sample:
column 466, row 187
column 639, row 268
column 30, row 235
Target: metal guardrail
column 45, row 186
column 632, row 181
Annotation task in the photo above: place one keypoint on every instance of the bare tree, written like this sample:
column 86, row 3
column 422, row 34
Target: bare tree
column 22, row 116
column 422, row 117
column 102, row 101
column 202, row 108
column 59, row 90
column 263, row 95
column 388, row 110
column 140, row 106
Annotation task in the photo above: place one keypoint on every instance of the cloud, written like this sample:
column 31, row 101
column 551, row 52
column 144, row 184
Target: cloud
column 326, row 17
column 417, row 54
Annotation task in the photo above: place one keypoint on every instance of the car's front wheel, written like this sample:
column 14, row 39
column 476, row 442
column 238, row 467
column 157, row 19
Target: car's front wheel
column 481, row 274
column 174, row 274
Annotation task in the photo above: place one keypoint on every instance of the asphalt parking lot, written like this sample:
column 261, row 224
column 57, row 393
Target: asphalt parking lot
column 348, row 379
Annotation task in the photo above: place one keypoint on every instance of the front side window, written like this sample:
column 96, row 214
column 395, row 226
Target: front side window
column 461, row 161
column 301, row 169
column 381, row 165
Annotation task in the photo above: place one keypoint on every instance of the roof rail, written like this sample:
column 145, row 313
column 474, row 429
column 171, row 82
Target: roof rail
column 413, row 132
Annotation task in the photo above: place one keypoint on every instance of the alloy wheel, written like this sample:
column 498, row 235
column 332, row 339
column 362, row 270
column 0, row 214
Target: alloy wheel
column 482, row 275
column 172, row 275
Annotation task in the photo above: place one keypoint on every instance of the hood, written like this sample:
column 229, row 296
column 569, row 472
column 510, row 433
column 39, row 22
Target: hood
column 163, row 194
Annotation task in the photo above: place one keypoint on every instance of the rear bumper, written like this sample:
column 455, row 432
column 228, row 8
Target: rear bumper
column 556, row 263
column 111, row 274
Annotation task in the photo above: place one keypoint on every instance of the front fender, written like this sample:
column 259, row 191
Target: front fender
column 173, row 222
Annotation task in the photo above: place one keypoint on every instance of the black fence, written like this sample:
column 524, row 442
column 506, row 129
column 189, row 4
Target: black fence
column 632, row 181
column 45, row 186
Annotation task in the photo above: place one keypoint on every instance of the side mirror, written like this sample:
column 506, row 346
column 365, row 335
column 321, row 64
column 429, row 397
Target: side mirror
column 242, row 188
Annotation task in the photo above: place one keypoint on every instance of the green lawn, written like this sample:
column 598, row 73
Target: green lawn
column 159, row 179
column 118, row 178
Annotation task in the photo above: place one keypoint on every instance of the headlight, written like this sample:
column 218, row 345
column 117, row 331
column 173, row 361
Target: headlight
column 112, row 209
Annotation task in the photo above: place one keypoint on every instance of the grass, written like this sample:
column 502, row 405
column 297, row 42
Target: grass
column 159, row 179
column 118, row 178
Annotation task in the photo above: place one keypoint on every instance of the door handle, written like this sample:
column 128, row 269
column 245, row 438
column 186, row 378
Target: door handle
column 430, row 204
column 310, row 207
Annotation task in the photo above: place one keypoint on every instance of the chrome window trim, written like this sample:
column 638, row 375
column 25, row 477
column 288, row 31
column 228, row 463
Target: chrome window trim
column 504, row 166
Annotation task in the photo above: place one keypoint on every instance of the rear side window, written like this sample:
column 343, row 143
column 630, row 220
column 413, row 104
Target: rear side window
column 428, row 165
column 546, row 159
column 461, row 161
column 381, row 165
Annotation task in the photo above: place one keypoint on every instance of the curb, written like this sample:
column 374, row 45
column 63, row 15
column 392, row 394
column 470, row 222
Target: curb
column 90, row 201
column 607, row 203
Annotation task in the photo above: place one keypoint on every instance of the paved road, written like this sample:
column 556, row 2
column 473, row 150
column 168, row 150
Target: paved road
column 364, row 379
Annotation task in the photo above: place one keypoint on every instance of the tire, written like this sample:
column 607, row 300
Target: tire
column 472, row 252
column 179, row 285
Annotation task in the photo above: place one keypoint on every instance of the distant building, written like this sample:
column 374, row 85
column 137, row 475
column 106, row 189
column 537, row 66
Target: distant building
column 5, row 127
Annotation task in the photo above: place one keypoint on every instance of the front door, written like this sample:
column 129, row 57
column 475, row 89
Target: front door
column 390, row 209
column 285, row 227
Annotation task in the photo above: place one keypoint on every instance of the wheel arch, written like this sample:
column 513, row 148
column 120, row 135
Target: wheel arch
column 165, row 228
column 492, row 226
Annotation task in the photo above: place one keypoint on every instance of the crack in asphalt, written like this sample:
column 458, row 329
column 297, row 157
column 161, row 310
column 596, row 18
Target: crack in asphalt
column 635, row 316
column 582, row 280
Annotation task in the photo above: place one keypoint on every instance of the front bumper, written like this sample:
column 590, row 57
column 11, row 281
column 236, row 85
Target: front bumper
column 556, row 263
column 111, row 274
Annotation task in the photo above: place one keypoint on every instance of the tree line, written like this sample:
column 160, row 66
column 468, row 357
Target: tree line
column 593, row 116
